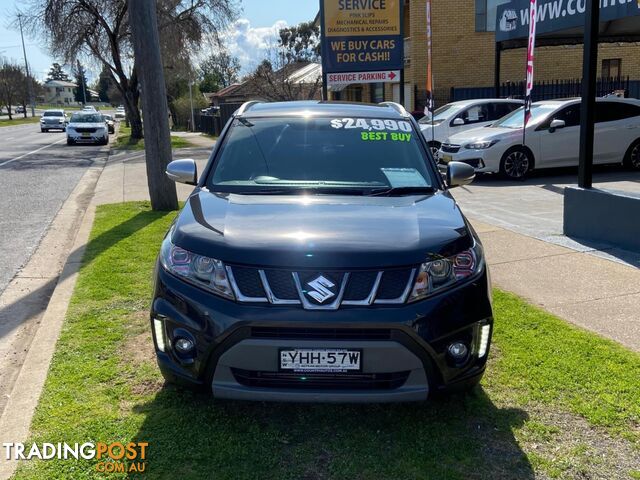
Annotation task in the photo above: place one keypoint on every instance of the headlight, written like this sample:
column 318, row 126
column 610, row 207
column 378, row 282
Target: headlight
column 481, row 145
column 205, row 272
column 42, row 120
column 444, row 272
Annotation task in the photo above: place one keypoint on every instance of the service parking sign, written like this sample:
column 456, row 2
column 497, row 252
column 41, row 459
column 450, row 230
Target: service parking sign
column 361, row 35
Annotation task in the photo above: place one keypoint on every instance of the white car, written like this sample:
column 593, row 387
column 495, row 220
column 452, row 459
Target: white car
column 464, row 115
column 53, row 120
column 89, row 109
column 120, row 113
column 551, row 140
column 87, row 127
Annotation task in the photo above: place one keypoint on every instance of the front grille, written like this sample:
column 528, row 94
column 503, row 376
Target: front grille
column 290, row 333
column 450, row 148
column 343, row 288
column 323, row 381
column 85, row 130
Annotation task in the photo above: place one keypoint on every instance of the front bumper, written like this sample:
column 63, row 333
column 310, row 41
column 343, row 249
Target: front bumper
column 92, row 137
column 404, row 348
column 483, row 161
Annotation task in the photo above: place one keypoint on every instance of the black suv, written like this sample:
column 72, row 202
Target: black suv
column 321, row 257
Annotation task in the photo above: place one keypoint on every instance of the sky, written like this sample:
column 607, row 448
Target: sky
column 247, row 39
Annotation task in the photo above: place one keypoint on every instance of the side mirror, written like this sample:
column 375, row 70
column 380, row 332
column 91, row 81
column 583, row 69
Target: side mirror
column 459, row 173
column 457, row 122
column 556, row 124
column 183, row 171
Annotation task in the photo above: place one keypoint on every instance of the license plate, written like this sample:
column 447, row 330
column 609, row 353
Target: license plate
column 446, row 158
column 320, row 360
column 86, row 135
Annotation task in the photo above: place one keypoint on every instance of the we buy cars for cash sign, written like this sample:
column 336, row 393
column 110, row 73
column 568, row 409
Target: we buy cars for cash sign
column 361, row 35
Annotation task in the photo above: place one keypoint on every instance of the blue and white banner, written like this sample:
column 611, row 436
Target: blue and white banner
column 513, row 18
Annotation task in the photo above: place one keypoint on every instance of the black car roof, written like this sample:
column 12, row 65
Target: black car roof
column 321, row 108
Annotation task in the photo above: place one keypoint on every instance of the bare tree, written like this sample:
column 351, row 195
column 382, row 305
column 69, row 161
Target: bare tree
column 280, row 79
column 99, row 29
column 12, row 86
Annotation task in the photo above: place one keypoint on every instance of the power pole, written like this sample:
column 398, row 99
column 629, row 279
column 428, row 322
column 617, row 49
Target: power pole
column 84, row 91
column 193, row 121
column 148, row 63
column 26, row 66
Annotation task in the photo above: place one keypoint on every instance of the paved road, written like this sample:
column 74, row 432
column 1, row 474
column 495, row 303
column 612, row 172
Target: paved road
column 535, row 207
column 38, row 171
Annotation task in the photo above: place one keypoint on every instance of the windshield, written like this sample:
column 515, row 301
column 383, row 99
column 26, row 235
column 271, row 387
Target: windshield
column 107, row 117
column 441, row 114
column 86, row 118
column 53, row 114
column 516, row 118
column 350, row 155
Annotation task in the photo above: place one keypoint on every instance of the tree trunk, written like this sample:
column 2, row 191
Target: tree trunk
column 146, row 45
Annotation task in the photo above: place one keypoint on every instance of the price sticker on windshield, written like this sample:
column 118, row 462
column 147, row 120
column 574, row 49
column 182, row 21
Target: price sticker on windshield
column 371, row 124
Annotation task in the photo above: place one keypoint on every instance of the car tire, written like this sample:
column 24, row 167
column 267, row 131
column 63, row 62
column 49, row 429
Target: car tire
column 516, row 163
column 632, row 157
column 43, row 130
column 70, row 142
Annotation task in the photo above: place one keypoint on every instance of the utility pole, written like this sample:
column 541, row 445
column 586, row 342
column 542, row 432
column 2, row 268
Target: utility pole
column 26, row 66
column 148, row 63
column 193, row 123
column 84, row 91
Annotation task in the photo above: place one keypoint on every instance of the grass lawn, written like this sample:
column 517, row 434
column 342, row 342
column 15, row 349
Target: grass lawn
column 556, row 402
column 18, row 120
column 125, row 142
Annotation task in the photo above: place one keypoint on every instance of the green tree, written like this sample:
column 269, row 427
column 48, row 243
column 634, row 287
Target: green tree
column 57, row 73
column 218, row 70
column 300, row 43
column 81, row 92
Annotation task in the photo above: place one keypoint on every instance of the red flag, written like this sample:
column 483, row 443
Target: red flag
column 530, row 53
column 430, row 103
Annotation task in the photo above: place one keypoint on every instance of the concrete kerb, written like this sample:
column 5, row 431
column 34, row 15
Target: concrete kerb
column 16, row 418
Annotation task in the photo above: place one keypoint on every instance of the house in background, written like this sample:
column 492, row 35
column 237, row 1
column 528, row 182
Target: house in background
column 59, row 92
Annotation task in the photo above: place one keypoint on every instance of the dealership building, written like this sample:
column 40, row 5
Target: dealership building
column 464, row 53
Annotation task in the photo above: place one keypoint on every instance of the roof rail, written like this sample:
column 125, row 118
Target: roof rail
column 246, row 106
column 397, row 107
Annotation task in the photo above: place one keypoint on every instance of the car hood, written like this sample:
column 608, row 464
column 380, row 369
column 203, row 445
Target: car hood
column 87, row 125
column 482, row 134
column 321, row 231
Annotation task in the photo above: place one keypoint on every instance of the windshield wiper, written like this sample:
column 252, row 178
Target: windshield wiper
column 387, row 192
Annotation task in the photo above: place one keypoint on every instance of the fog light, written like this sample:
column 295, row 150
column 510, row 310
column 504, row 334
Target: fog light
column 484, row 340
column 159, row 333
column 458, row 351
column 183, row 345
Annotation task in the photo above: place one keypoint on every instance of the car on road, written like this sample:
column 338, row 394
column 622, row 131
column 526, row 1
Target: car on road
column 120, row 113
column 53, row 120
column 464, row 115
column 552, row 138
column 321, row 257
column 87, row 127
column 89, row 108
column 20, row 109
column 111, row 124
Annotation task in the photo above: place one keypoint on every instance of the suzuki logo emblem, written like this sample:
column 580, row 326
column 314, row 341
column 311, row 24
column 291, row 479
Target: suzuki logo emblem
column 320, row 289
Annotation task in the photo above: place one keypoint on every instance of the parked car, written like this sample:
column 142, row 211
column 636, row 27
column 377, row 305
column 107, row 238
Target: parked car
column 321, row 257
column 464, row 115
column 89, row 109
column 53, row 120
column 87, row 127
column 120, row 113
column 20, row 109
column 551, row 139
column 111, row 124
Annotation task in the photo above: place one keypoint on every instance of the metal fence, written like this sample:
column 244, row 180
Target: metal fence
column 549, row 90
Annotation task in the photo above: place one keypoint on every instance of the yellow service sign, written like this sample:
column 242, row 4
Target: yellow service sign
column 359, row 18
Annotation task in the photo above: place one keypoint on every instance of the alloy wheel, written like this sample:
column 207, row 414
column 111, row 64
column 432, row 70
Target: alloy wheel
column 634, row 158
column 516, row 165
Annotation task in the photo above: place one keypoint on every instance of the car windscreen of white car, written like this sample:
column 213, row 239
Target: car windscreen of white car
column 441, row 114
column 321, row 154
column 516, row 118
column 52, row 114
column 87, row 118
